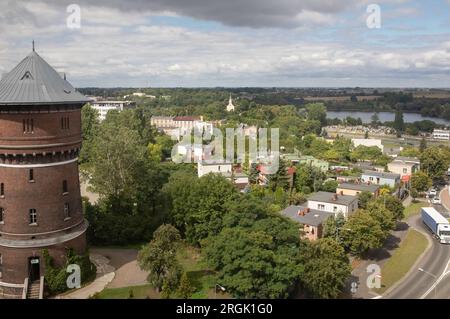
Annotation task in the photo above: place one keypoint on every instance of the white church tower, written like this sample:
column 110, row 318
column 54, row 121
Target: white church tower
column 230, row 106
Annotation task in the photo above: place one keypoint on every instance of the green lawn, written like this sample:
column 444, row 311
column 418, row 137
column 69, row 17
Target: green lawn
column 414, row 209
column 137, row 292
column 402, row 259
column 202, row 279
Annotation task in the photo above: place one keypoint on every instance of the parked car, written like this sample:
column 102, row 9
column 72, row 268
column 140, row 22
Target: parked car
column 432, row 193
column 436, row 200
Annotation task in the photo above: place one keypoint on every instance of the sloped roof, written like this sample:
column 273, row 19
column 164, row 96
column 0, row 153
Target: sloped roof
column 33, row 81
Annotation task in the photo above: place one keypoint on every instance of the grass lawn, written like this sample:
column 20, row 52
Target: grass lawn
column 202, row 279
column 414, row 209
column 138, row 292
column 402, row 259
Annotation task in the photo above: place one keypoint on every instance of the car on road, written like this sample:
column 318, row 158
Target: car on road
column 436, row 200
column 432, row 193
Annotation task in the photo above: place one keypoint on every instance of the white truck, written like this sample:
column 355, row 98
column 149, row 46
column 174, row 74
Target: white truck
column 437, row 223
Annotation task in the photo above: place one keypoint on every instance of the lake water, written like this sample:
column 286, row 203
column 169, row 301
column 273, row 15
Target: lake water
column 366, row 117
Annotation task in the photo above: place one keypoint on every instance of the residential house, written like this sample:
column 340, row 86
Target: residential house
column 405, row 166
column 333, row 203
column 311, row 220
column 354, row 189
column 380, row 178
column 441, row 134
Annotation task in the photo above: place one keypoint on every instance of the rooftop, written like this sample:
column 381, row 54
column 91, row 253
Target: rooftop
column 328, row 197
column 311, row 217
column 405, row 159
column 359, row 187
column 33, row 82
column 382, row 174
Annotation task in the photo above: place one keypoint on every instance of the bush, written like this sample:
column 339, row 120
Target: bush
column 56, row 277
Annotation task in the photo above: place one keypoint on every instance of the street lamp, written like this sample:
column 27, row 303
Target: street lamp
column 434, row 276
column 215, row 290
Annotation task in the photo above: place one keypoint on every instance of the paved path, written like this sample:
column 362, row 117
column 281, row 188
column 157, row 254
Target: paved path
column 124, row 261
column 116, row 268
column 105, row 274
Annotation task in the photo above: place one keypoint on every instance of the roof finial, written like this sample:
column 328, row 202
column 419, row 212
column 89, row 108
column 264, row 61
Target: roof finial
column 33, row 45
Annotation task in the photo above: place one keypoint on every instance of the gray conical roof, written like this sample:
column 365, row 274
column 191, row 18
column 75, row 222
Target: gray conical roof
column 33, row 81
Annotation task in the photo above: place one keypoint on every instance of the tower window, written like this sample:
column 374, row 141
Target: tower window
column 2, row 215
column 66, row 210
column 28, row 126
column 33, row 216
column 65, row 123
column 31, row 175
column 65, row 188
column 2, row 189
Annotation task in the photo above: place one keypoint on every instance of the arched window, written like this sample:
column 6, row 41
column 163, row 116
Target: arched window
column 2, row 215
column 65, row 188
column 31, row 175
column 2, row 189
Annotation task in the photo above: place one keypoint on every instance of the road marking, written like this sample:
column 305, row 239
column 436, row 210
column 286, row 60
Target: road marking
column 444, row 273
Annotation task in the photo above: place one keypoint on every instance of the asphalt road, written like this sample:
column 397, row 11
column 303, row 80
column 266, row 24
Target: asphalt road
column 420, row 284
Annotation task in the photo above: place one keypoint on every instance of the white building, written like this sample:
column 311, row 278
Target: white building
column 103, row 107
column 441, row 134
column 177, row 126
column 204, row 168
column 405, row 166
column 369, row 142
column 189, row 153
column 239, row 179
column 230, row 106
column 333, row 203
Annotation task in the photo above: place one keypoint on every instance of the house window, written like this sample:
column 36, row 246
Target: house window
column 405, row 170
column 2, row 215
column 2, row 190
column 66, row 210
column 33, row 216
column 321, row 206
column 65, row 189
column 28, row 126
column 31, row 175
column 370, row 178
column 335, row 209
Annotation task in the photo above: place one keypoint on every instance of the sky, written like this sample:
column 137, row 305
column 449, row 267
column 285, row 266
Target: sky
column 233, row 43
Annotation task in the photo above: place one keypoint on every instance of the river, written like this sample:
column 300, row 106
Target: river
column 366, row 117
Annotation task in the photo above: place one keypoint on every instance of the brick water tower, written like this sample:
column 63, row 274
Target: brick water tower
column 40, row 201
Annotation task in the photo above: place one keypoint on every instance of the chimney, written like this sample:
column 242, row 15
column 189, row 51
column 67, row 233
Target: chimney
column 342, row 193
column 335, row 197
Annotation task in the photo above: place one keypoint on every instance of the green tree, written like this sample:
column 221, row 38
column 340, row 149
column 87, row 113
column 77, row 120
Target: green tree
column 420, row 181
column 197, row 210
column 393, row 204
column 317, row 112
column 423, row 145
column 185, row 290
column 89, row 128
column 399, row 124
column 330, row 186
column 333, row 226
column 159, row 258
column 361, row 233
column 382, row 215
column 434, row 162
column 326, row 268
column 364, row 198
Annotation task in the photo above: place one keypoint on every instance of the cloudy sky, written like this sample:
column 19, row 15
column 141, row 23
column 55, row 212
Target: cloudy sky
column 167, row 43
